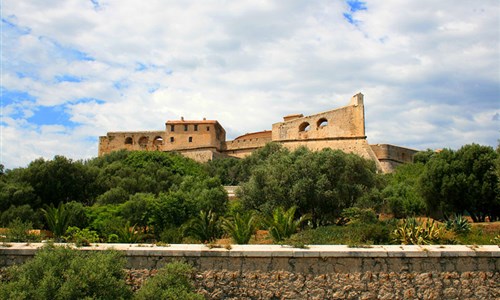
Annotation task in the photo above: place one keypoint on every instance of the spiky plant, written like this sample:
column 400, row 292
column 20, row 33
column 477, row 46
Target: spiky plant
column 240, row 227
column 458, row 224
column 128, row 233
column 413, row 232
column 58, row 219
column 205, row 227
column 282, row 224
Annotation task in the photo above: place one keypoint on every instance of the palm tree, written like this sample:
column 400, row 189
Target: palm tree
column 282, row 224
column 205, row 227
column 58, row 219
column 240, row 227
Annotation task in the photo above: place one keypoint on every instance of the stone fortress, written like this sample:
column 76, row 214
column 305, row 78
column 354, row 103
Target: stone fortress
column 202, row 140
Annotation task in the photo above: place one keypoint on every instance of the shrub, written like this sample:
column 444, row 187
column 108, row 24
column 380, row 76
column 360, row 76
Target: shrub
column 18, row 231
column 81, row 237
column 173, row 281
column 63, row 273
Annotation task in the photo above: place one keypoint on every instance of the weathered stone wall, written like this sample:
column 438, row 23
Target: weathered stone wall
column 319, row 272
column 391, row 156
column 134, row 140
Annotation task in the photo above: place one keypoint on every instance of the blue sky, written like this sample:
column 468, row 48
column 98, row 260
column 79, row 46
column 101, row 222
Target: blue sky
column 73, row 70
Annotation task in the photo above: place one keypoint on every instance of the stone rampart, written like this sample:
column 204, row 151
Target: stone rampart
column 318, row 272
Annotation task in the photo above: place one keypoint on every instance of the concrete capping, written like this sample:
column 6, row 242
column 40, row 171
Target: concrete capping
column 269, row 251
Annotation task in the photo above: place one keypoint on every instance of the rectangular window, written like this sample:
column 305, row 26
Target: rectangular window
column 185, row 128
column 172, row 128
column 195, row 127
column 171, row 139
column 208, row 128
column 190, row 139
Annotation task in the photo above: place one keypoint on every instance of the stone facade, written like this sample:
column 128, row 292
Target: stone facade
column 342, row 128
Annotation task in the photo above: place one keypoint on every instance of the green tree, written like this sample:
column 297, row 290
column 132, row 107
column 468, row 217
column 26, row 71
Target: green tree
column 455, row 182
column 320, row 184
column 402, row 191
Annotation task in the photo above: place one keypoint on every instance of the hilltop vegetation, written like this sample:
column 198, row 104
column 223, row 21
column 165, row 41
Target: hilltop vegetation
column 158, row 196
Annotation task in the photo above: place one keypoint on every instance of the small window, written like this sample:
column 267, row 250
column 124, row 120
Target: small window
column 172, row 128
column 208, row 128
column 195, row 127
column 172, row 139
column 190, row 139
column 322, row 122
column 185, row 127
column 128, row 141
column 304, row 127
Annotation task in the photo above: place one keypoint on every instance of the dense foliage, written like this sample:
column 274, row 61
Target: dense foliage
column 157, row 196
column 63, row 273
column 321, row 184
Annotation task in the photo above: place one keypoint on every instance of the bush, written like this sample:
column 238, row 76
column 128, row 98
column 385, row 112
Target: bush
column 458, row 224
column 18, row 231
column 173, row 281
column 81, row 237
column 378, row 233
column 63, row 273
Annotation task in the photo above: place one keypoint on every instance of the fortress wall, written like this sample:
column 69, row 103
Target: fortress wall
column 391, row 156
column 135, row 140
column 347, row 121
column 316, row 272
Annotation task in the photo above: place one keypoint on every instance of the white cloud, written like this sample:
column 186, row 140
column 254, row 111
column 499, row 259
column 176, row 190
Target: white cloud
column 429, row 70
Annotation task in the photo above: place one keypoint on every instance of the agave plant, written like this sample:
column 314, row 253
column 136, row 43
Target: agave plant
column 282, row 224
column 240, row 227
column 413, row 232
column 458, row 224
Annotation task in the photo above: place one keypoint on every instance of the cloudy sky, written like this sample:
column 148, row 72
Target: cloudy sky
column 73, row 70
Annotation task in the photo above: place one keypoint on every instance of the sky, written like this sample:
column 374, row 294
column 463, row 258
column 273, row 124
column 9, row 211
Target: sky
column 73, row 70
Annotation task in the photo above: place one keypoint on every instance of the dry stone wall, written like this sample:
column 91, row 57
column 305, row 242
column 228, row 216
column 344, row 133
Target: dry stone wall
column 318, row 272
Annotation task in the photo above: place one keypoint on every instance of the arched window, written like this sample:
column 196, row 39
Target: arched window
column 322, row 122
column 143, row 141
column 158, row 141
column 304, row 127
column 128, row 141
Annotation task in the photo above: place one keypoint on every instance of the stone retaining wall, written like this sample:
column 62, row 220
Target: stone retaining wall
column 319, row 272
